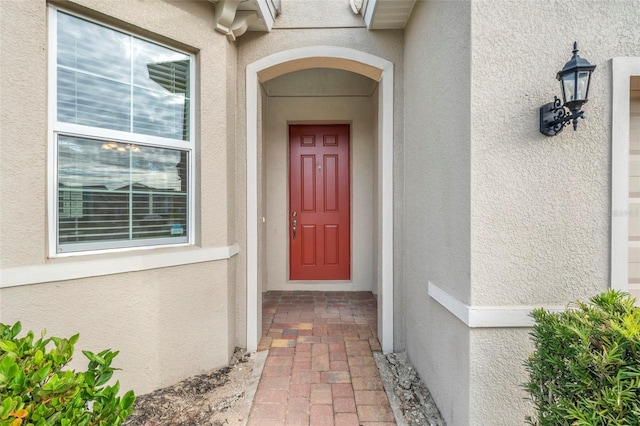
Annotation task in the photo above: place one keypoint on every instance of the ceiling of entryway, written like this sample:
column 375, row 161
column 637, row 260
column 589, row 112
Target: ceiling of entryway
column 320, row 82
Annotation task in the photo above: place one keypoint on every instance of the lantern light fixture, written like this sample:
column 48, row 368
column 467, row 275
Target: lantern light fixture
column 575, row 79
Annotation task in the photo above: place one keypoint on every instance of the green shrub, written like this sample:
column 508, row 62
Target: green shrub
column 35, row 390
column 585, row 369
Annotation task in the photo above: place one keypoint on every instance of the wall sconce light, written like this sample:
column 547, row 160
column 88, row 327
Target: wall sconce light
column 575, row 78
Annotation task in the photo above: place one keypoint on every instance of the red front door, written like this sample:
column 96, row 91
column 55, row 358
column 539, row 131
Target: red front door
column 319, row 204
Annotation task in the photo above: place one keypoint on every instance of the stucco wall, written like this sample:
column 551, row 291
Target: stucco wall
column 168, row 322
column 24, row 132
column 437, row 198
column 298, row 14
column 497, row 375
column 327, row 96
column 437, row 151
column 540, row 206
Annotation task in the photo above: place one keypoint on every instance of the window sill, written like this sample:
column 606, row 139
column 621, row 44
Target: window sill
column 62, row 269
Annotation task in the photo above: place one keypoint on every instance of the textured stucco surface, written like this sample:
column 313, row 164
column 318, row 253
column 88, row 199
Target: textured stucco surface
column 440, row 350
column 437, row 198
column 156, row 318
column 24, row 132
column 540, row 208
column 300, row 14
column 166, row 324
column 356, row 110
column 497, row 376
column 437, row 146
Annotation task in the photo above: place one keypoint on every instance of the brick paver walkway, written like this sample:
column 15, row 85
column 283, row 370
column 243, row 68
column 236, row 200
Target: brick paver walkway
column 320, row 368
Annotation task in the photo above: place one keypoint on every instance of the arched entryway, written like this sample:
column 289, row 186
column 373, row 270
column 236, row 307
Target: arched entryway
column 346, row 59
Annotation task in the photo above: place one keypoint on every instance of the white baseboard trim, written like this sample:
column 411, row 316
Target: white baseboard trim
column 487, row 316
column 71, row 269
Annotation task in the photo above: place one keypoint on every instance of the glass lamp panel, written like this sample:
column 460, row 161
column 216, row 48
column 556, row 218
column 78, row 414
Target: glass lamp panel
column 583, row 85
column 568, row 87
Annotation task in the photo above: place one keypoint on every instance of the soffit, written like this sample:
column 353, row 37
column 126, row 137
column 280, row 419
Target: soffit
column 266, row 10
column 386, row 14
column 378, row 14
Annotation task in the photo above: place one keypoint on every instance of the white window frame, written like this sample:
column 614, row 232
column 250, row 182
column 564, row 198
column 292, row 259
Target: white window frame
column 75, row 130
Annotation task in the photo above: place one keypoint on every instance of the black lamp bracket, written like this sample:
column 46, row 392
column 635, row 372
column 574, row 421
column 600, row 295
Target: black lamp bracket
column 554, row 116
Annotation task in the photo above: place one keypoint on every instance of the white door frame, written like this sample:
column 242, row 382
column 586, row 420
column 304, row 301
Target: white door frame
column 328, row 57
column 623, row 69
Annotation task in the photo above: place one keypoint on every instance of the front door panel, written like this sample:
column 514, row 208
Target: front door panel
column 319, row 204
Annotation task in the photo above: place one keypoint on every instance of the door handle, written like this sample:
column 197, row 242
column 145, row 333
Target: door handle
column 294, row 223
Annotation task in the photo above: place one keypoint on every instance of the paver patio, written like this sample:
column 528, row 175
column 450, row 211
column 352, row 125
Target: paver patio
column 320, row 369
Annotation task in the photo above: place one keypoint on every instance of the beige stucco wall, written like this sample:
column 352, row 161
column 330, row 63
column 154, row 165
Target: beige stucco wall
column 24, row 101
column 320, row 96
column 541, row 205
column 540, row 209
column 301, row 14
column 497, row 375
column 168, row 322
column 437, row 198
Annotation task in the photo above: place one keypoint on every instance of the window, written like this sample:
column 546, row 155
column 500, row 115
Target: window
column 121, row 137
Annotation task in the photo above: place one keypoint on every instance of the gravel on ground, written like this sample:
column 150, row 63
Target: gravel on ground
column 214, row 398
column 410, row 399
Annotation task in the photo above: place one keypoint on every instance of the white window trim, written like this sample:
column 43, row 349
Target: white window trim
column 62, row 270
column 623, row 69
column 70, row 129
